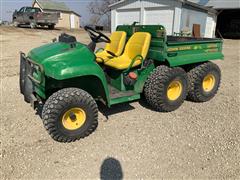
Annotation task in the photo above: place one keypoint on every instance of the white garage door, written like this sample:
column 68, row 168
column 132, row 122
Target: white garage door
column 160, row 16
column 127, row 17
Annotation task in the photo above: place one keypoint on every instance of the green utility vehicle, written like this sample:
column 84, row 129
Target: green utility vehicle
column 67, row 77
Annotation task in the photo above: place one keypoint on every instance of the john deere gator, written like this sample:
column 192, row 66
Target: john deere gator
column 68, row 77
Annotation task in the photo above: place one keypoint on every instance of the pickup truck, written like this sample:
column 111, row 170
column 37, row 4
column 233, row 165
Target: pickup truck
column 35, row 17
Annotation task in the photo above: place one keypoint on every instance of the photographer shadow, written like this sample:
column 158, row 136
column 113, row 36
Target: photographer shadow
column 111, row 169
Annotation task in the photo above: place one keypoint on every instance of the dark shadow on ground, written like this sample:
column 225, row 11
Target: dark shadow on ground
column 106, row 111
column 39, row 109
column 111, row 169
column 38, row 28
column 144, row 104
column 115, row 109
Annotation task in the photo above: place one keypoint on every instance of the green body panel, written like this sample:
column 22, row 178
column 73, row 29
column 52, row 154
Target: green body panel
column 182, row 54
column 116, row 79
column 60, row 62
column 124, row 99
column 142, row 77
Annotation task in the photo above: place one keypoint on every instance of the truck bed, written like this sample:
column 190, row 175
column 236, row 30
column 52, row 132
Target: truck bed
column 190, row 40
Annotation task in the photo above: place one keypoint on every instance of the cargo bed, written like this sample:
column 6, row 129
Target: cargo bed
column 177, row 39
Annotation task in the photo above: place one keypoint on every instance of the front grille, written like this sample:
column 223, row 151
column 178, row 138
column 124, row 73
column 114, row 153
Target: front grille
column 31, row 68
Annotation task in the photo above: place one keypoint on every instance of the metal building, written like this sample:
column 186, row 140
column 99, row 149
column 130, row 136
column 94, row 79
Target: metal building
column 175, row 15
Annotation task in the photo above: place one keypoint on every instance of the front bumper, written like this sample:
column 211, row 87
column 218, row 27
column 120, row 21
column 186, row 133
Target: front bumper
column 27, row 79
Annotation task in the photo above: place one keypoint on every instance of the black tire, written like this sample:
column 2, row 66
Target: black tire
column 156, row 88
column 196, row 76
column 51, row 26
column 22, row 75
column 62, row 101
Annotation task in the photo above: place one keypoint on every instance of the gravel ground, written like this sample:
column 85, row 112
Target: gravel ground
column 196, row 141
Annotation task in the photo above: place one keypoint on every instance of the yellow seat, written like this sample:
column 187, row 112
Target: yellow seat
column 118, row 40
column 137, row 48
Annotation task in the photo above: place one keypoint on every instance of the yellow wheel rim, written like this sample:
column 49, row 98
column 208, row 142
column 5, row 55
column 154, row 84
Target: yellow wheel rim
column 208, row 83
column 174, row 90
column 74, row 118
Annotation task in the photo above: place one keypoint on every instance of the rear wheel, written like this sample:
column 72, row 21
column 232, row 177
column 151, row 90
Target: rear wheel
column 70, row 114
column 166, row 88
column 204, row 82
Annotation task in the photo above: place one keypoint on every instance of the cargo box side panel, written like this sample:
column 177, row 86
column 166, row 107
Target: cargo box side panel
column 193, row 52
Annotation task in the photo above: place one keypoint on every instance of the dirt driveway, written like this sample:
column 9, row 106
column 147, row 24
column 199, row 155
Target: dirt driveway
column 196, row 141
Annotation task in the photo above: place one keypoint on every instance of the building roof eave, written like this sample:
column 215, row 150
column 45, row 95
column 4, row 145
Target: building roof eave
column 116, row 3
column 36, row 1
column 208, row 9
column 64, row 11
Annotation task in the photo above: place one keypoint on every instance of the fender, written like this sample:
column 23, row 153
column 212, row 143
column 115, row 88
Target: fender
column 65, row 73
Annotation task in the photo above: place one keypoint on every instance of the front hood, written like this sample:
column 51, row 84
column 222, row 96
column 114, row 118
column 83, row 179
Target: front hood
column 59, row 56
column 57, row 52
column 43, row 53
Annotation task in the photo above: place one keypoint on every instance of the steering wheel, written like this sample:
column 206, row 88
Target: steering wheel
column 96, row 36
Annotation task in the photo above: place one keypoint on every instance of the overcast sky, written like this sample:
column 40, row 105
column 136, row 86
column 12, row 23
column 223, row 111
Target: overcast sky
column 7, row 7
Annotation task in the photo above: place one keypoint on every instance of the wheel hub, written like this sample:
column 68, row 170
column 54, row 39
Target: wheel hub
column 74, row 118
column 208, row 83
column 174, row 90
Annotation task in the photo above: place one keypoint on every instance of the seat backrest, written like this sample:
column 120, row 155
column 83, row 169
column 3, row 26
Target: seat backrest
column 138, row 44
column 118, row 40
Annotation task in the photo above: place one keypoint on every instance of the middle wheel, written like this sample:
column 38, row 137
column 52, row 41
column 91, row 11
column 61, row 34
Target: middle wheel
column 166, row 88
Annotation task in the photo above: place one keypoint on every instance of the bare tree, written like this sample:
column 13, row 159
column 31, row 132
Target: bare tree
column 94, row 19
column 100, row 12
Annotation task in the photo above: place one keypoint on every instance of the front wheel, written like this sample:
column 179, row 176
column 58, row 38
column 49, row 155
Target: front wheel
column 70, row 114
